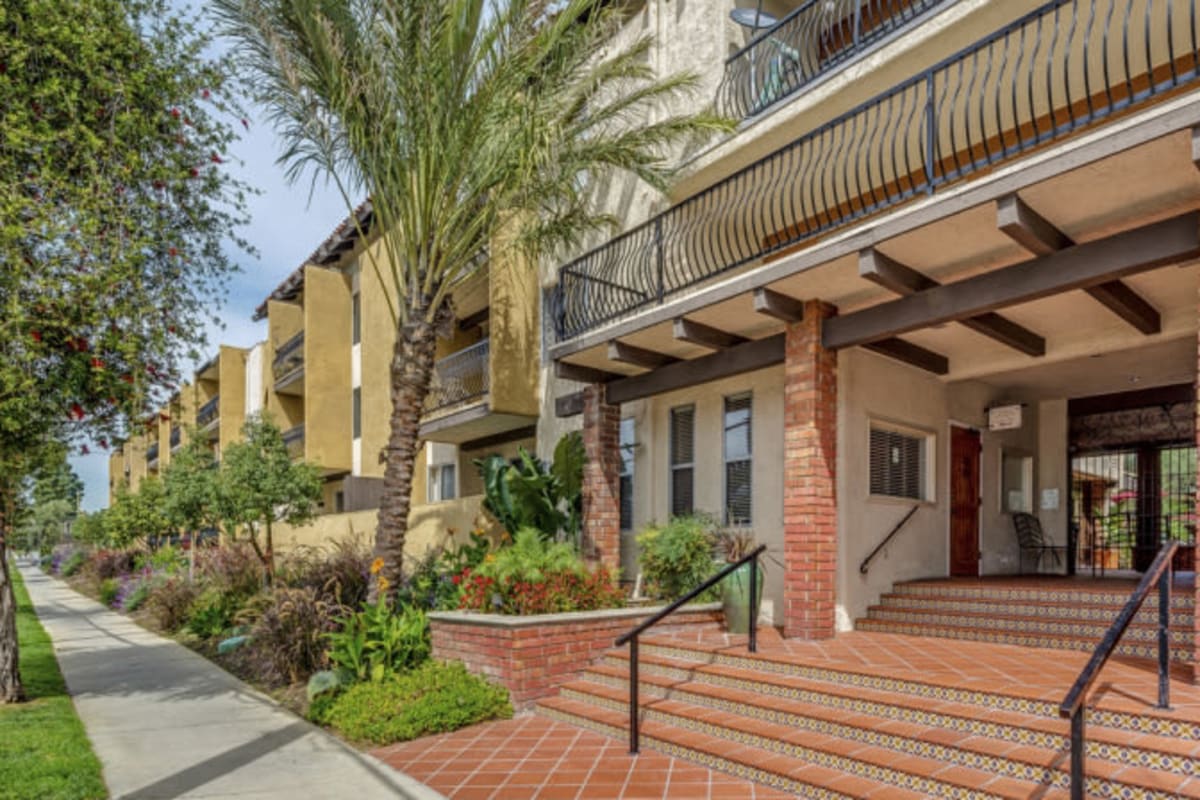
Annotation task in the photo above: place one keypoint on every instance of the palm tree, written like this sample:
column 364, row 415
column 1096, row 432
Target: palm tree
column 459, row 119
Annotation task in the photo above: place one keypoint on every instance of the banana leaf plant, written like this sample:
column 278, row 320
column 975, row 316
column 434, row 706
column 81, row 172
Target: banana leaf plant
column 528, row 493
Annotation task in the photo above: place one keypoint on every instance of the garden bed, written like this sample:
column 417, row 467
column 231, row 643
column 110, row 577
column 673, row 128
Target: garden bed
column 533, row 655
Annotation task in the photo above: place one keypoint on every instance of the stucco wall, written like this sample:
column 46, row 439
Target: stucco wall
column 327, row 401
column 232, row 393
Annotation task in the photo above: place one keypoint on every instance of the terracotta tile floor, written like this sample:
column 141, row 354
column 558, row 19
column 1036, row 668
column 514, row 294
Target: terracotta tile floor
column 532, row 758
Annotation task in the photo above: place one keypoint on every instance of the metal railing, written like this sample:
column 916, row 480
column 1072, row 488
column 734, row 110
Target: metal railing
column 1062, row 67
column 293, row 439
column 866, row 562
column 811, row 41
column 459, row 377
column 209, row 413
column 152, row 453
column 1072, row 707
column 631, row 638
column 176, row 437
column 289, row 358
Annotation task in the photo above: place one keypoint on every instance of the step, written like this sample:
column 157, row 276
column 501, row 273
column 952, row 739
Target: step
column 1181, row 616
column 767, row 695
column 1054, row 641
column 809, row 765
column 1050, row 594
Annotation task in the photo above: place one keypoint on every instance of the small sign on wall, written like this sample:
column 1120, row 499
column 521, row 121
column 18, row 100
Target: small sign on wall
column 1004, row 418
column 1049, row 499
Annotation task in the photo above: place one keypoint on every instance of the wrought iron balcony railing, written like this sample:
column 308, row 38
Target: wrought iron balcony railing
column 209, row 413
column 293, row 439
column 1064, row 66
column 289, row 358
column 176, row 437
column 459, row 377
column 811, row 41
column 152, row 454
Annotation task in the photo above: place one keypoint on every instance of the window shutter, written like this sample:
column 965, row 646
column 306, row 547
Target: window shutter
column 682, row 459
column 897, row 464
column 738, row 460
column 625, row 488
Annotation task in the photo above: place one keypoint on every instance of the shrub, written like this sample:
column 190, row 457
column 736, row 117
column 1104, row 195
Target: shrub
column 169, row 602
column 376, row 643
column 530, row 558
column 134, row 594
column 72, row 563
column 108, row 564
column 211, row 613
column 289, row 637
column 434, row 698
column 233, row 569
column 167, row 559
column 339, row 576
column 555, row 593
column 108, row 590
column 678, row 557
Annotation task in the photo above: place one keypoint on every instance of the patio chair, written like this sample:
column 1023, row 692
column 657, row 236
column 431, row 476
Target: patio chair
column 1030, row 539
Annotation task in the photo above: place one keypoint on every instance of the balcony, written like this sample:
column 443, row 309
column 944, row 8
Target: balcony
column 288, row 366
column 209, row 414
column 293, row 439
column 176, row 438
column 459, row 378
column 1068, row 65
column 152, row 456
column 812, row 41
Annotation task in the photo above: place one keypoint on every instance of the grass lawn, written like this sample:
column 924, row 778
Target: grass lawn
column 44, row 752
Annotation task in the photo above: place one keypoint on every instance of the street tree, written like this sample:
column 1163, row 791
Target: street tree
column 135, row 516
column 51, row 502
column 462, row 121
column 116, row 212
column 192, row 493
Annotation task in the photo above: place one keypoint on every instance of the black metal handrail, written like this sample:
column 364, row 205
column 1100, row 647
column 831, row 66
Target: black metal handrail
column 866, row 562
column 460, row 377
column 209, row 412
column 812, row 40
column 632, row 637
column 152, row 453
column 289, row 358
column 1072, row 707
column 1064, row 66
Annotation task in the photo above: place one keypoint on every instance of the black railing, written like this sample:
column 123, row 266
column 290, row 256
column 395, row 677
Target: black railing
column 152, row 453
column 293, row 439
column 866, row 562
column 811, row 41
column 459, row 377
column 209, row 412
column 176, row 437
column 632, row 637
column 1072, row 707
column 289, row 358
column 1068, row 64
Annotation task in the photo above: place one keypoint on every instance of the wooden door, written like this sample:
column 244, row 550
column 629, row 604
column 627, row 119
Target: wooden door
column 964, row 502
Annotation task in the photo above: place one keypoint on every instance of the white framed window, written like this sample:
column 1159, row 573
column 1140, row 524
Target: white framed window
column 626, row 445
column 443, row 483
column 739, row 459
column 902, row 463
column 683, row 460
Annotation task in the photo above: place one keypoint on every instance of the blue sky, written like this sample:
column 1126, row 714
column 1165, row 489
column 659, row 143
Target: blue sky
column 285, row 228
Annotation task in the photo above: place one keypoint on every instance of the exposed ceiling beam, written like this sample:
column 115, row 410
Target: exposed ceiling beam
column 779, row 306
column 1039, row 236
column 1082, row 266
column 474, row 320
column 578, row 372
column 692, row 332
column 752, row 355
column 568, row 405
column 885, row 271
column 638, row 356
column 913, row 354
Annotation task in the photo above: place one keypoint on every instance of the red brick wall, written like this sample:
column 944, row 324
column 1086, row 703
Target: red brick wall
column 535, row 657
column 601, row 479
column 1196, row 585
column 809, row 493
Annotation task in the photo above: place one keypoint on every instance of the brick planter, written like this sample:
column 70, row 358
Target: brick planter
column 534, row 655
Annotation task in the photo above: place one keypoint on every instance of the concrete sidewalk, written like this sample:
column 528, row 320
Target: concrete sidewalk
column 166, row 723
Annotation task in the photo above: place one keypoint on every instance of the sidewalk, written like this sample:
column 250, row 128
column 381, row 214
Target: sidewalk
column 166, row 723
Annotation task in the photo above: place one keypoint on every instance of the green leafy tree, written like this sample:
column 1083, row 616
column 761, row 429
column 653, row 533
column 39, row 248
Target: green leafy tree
column 51, row 502
column 139, row 515
column 115, row 214
column 262, row 485
column 467, row 123
column 89, row 528
column 192, row 492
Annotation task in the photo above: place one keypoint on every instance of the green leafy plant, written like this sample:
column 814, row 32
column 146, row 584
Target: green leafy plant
column 289, row 636
column 530, row 558
column 678, row 556
column 170, row 601
column 72, row 563
column 136, row 597
column 108, row 589
column 434, row 698
column 376, row 643
column 554, row 593
column 530, row 494
column 211, row 613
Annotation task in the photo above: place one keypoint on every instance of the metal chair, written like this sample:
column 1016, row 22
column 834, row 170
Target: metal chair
column 1031, row 539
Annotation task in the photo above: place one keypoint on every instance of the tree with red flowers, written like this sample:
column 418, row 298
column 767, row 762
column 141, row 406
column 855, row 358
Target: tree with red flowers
column 115, row 224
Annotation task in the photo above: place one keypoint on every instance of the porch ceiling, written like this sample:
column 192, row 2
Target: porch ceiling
column 1129, row 189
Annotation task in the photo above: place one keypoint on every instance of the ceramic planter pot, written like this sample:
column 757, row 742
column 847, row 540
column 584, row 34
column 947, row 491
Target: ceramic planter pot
column 735, row 597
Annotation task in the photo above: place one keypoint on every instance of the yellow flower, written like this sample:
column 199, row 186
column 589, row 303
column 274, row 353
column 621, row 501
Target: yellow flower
column 377, row 565
column 384, row 584
column 490, row 557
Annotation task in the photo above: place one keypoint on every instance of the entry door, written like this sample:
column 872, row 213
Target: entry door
column 964, row 502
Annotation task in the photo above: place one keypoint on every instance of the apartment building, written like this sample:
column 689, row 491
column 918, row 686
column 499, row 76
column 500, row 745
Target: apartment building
column 948, row 254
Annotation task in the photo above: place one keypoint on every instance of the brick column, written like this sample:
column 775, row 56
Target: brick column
column 601, row 479
column 810, row 478
column 1196, row 554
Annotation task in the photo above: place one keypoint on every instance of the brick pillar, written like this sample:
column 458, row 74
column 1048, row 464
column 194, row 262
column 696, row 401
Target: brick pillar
column 810, row 478
column 601, row 479
column 1196, row 553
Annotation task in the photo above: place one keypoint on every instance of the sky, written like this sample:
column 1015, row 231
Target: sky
column 286, row 225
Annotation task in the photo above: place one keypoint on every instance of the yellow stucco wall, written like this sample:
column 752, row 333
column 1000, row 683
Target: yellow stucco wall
column 284, row 320
column 378, row 338
column 514, row 329
column 327, row 402
column 231, row 368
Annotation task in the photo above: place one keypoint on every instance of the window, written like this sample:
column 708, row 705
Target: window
column 356, row 412
column 625, row 443
column 899, row 463
column 441, row 484
column 683, row 451
column 355, row 318
column 339, row 502
column 737, row 460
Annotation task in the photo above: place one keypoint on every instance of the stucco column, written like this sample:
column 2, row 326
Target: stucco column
column 601, row 479
column 810, row 478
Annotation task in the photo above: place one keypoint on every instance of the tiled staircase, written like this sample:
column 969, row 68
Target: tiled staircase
column 864, row 716
column 1029, row 613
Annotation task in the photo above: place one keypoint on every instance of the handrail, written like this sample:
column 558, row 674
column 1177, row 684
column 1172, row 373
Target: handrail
column 1073, row 704
column 866, row 564
column 632, row 636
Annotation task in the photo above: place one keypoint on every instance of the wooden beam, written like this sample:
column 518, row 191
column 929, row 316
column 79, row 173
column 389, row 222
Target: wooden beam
column 474, row 320
column 1083, row 266
column 578, row 372
column 692, row 332
column 752, row 355
column 497, row 439
column 638, row 356
column 1127, row 304
column 1028, row 228
column 1138, row 398
column 779, row 306
column 913, row 354
column 568, row 405
column 904, row 280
